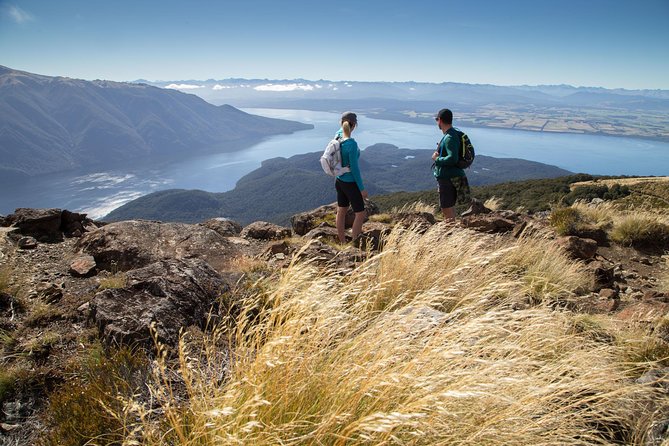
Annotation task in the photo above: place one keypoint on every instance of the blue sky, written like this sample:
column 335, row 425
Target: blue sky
column 608, row 43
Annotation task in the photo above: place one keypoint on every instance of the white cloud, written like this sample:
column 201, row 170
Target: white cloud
column 221, row 87
column 183, row 86
column 284, row 87
column 19, row 15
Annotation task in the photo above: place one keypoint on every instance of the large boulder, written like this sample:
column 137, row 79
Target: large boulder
column 133, row 244
column 49, row 224
column 43, row 224
column 262, row 230
column 169, row 294
column 224, row 226
column 306, row 221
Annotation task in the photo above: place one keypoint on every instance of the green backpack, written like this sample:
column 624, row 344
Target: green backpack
column 467, row 153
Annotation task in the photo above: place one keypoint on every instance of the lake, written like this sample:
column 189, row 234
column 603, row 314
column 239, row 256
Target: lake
column 98, row 192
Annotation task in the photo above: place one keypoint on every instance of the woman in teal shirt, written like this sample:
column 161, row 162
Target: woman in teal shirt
column 350, row 189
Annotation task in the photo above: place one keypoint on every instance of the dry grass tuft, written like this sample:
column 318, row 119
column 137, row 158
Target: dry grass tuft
column 423, row 344
column 115, row 281
column 641, row 230
column 493, row 203
column 416, row 207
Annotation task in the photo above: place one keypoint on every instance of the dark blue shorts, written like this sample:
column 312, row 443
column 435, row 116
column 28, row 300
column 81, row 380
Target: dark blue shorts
column 348, row 194
column 447, row 193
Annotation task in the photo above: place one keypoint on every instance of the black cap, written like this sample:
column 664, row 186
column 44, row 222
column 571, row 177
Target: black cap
column 349, row 117
column 445, row 115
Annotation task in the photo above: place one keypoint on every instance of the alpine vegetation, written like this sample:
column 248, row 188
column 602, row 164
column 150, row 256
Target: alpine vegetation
column 447, row 337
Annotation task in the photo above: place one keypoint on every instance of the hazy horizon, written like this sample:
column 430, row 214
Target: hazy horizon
column 518, row 43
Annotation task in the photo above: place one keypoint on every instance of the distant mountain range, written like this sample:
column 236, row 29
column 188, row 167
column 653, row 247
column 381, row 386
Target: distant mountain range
column 52, row 124
column 543, row 108
column 282, row 187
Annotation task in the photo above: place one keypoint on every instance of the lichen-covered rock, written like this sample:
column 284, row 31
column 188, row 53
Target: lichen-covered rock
column 224, row 226
column 262, row 230
column 133, row 244
column 169, row 294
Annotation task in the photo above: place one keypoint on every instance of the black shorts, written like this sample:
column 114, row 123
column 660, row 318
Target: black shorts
column 349, row 194
column 447, row 193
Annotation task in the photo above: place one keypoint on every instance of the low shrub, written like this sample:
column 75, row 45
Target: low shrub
column 565, row 220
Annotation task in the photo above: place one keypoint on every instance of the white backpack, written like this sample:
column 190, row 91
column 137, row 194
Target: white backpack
column 331, row 159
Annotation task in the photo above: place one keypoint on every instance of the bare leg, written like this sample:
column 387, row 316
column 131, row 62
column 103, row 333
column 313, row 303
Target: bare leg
column 449, row 214
column 357, row 224
column 341, row 223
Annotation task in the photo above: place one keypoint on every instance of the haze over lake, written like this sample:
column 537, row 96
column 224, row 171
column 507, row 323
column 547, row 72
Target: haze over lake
column 98, row 192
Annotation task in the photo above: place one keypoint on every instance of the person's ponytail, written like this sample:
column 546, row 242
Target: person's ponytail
column 346, row 129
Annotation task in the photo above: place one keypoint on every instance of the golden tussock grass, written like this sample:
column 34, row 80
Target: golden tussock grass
column 417, row 206
column 493, row 203
column 640, row 230
column 446, row 338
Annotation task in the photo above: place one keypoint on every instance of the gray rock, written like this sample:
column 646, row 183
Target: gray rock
column 224, row 226
column 322, row 233
column 171, row 294
column 262, row 230
column 656, row 378
column 133, row 244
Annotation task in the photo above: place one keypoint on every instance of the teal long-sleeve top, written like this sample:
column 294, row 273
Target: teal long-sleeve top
column 350, row 153
column 449, row 154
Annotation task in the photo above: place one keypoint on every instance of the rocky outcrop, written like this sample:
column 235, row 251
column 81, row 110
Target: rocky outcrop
column 306, row 221
column 168, row 295
column 127, row 245
column 49, row 225
column 262, row 230
column 224, row 226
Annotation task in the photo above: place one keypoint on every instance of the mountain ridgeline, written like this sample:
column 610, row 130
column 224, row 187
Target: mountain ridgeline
column 282, row 187
column 52, row 124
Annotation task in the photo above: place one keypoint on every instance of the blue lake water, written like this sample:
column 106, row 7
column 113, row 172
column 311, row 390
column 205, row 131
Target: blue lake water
column 98, row 192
